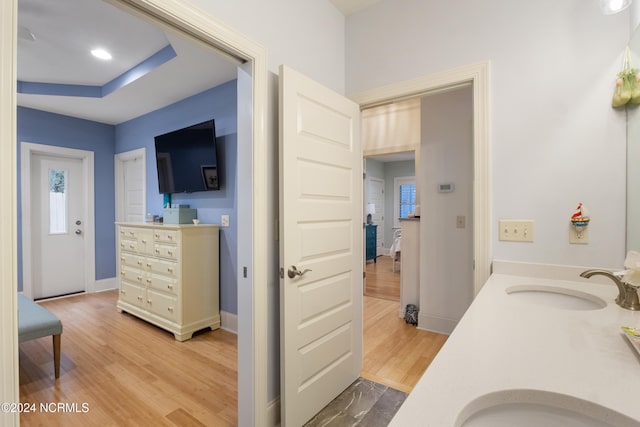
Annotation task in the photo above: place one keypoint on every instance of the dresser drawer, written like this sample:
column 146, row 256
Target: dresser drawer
column 162, row 266
column 166, row 251
column 162, row 305
column 162, row 283
column 131, row 274
column 131, row 260
column 170, row 236
column 132, row 294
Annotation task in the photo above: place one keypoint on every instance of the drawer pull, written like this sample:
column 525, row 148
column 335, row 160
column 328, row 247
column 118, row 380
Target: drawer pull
column 149, row 281
column 122, row 258
column 170, row 237
column 148, row 265
column 170, row 309
column 123, row 292
column 139, row 278
column 170, row 287
column 131, row 232
column 158, row 251
column 157, row 236
column 170, row 270
column 149, row 301
column 139, row 262
column 144, row 241
column 170, row 253
column 122, row 273
column 139, row 298
column 132, row 246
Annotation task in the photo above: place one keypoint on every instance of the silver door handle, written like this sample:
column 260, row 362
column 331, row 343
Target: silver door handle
column 78, row 232
column 293, row 272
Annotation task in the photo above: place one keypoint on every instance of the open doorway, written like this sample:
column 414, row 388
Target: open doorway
column 252, row 76
column 429, row 184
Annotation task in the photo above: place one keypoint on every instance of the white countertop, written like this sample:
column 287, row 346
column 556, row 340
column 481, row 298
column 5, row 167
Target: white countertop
column 504, row 343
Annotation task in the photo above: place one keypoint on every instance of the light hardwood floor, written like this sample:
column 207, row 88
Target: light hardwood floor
column 395, row 354
column 132, row 373
column 381, row 280
column 128, row 371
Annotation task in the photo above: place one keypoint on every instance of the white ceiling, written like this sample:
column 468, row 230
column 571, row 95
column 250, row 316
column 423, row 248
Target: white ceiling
column 348, row 7
column 66, row 30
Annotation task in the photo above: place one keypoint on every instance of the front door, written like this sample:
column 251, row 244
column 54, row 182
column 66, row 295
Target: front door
column 57, row 223
column 321, row 247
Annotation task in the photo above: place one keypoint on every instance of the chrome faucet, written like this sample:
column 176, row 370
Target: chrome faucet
column 627, row 293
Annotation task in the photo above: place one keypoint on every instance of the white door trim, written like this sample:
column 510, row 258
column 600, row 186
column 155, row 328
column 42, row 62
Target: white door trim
column 120, row 158
column 27, row 151
column 476, row 74
column 8, row 211
column 252, row 299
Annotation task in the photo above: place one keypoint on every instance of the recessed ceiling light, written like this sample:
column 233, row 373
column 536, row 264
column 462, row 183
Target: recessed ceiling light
column 609, row 7
column 101, row 53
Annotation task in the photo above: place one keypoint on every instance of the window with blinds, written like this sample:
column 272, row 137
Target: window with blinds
column 407, row 199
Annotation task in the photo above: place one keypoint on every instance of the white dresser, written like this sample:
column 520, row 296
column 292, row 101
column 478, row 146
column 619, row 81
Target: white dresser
column 169, row 275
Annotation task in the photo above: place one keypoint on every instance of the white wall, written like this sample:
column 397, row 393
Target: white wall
column 555, row 140
column 446, row 251
column 306, row 35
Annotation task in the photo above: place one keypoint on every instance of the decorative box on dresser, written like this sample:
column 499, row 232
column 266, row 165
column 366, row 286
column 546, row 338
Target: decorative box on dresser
column 169, row 275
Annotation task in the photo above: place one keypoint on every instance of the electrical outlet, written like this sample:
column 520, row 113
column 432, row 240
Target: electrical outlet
column 516, row 230
column 224, row 220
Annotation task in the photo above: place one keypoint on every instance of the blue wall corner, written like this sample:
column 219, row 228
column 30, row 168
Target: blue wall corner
column 105, row 141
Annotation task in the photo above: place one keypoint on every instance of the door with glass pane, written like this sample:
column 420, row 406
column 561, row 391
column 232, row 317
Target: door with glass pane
column 57, row 226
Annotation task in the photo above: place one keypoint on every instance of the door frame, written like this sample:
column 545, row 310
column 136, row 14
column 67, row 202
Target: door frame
column 27, row 151
column 119, row 159
column 253, row 288
column 477, row 75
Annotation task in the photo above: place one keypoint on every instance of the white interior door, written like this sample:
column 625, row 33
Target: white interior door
column 375, row 195
column 321, row 221
column 131, row 186
column 57, row 222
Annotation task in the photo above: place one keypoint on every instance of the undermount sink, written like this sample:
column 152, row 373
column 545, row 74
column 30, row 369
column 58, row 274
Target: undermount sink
column 535, row 408
column 556, row 297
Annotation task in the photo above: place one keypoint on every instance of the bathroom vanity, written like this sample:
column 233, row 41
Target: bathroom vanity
column 538, row 341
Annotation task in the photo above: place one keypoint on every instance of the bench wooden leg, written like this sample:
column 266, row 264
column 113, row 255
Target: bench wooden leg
column 56, row 354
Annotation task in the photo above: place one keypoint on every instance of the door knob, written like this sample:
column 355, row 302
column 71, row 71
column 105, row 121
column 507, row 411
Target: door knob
column 293, row 272
column 78, row 232
column 78, row 222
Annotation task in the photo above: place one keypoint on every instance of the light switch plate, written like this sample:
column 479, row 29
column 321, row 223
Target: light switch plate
column 224, row 220
column 516, row 230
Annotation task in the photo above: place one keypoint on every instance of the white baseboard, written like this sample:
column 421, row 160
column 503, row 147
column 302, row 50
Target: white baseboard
column 105, row 284
column 229, row 322
column 435, row 324
column 273, row 413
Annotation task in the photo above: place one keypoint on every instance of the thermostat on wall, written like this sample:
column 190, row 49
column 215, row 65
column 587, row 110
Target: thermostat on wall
column 446, row 187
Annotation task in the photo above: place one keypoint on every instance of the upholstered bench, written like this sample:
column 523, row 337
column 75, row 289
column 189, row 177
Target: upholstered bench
column 35, row 321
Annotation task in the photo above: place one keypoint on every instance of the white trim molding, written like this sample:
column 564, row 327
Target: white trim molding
column 8, row 208
column 477, row 75
column 229, row 322
column 27, row 150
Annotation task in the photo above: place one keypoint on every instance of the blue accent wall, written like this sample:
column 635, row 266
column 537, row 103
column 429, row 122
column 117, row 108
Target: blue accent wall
column 105, row 141
column 40, row 127
column 219, row 103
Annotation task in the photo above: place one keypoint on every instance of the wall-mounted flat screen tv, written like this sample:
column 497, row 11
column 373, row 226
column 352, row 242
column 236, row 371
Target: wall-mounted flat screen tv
column 187, row 160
